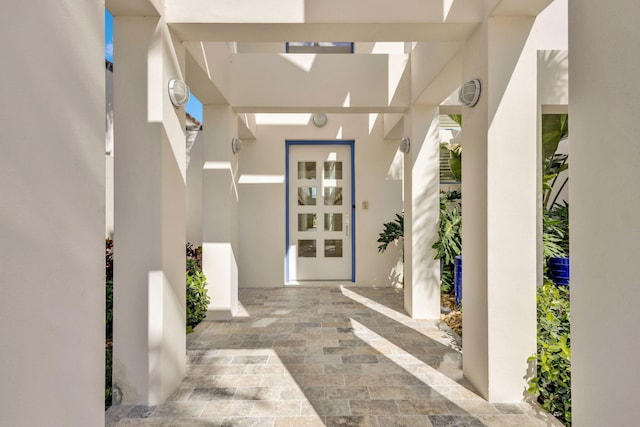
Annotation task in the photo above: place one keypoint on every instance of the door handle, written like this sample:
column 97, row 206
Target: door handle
column 347, row 225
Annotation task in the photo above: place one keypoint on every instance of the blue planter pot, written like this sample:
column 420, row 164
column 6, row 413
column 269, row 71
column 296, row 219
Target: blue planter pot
column 457, row 278
column 558, row 270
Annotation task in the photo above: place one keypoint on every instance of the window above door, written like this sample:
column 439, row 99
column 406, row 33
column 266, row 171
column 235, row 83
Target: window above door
column 319, row 47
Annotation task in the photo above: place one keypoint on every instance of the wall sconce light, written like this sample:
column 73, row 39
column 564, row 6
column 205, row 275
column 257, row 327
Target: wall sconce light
column 179, row 92
column 319, row 120
column 236, row 145
column 405, row 145
column 469, row 93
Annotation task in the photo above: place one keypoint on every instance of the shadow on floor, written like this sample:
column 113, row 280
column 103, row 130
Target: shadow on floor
column 324, row 357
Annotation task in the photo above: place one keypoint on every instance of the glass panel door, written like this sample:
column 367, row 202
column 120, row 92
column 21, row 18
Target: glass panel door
column 320, row 241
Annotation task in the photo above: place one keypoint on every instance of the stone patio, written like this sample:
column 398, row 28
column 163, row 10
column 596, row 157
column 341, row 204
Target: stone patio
column 330, row 356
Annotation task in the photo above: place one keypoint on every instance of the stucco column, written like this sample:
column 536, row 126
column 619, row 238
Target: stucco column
column 149, row 238
column 499, row 190
column 604, row 200
column 194, row 190
column 220, row 210
column 52, row 214
column 421, row 211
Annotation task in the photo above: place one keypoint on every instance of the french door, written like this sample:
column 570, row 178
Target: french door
column 320, row 208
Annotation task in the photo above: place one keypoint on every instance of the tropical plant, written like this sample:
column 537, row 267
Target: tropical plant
column 555, row 216
column 449, row 244
column 552, row 383
column 393, row 231
column 455, row 151
column 555, row 127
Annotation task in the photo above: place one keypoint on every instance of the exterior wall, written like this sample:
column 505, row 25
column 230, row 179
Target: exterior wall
column 52, row 214
column 262, row 206
column 605, row 233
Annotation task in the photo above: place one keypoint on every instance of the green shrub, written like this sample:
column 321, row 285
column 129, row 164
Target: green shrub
column 552, row 383
column 197, row 298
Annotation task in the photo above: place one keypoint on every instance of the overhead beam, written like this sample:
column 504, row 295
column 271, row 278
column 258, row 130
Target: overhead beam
column 391, row 32
column 325, row 11
column 520, row 7
column 134, row 7
column 200, row 84
column 439, row 89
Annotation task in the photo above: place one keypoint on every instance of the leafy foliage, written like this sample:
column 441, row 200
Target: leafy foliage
column 555, row 232
column 555, row 127
column 555, row 216
column 552, row 237
column 108, row 323
column 449, row 244
column 553, row 166
column 197, row 298
column 552, row 383
column 393, row 231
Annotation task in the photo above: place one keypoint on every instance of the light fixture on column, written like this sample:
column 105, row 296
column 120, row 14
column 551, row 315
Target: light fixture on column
column 236, row 145
column 178, row 92
column 405, row 145
column 470, row 93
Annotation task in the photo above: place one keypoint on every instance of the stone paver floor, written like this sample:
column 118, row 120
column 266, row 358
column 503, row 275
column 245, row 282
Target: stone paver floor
column 340, row 356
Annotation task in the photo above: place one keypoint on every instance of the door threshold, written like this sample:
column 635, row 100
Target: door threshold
column 318, row 283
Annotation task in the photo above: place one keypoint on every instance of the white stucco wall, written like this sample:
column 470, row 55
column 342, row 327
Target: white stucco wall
column 605, row 233
column 52, row 214
column 262, row 206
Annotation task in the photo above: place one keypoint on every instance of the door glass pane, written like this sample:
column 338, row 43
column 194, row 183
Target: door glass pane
column 306, row 248
column 333, row 248
column 306, row 196
column 332, row 222
column 306, row 170
column 333, row 196
column 332, row 170
column 307, row 222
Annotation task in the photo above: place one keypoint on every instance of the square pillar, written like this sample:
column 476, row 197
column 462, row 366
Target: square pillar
column 604, row 200
column 499, row 195
column 220, row 210
column 52, row 207
column 150, row 220
column 194, row 189
column 421, row 213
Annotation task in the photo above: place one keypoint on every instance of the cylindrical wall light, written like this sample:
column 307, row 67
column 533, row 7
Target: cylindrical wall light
column 179, row 92
column 236, row 145
column 405, row 145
